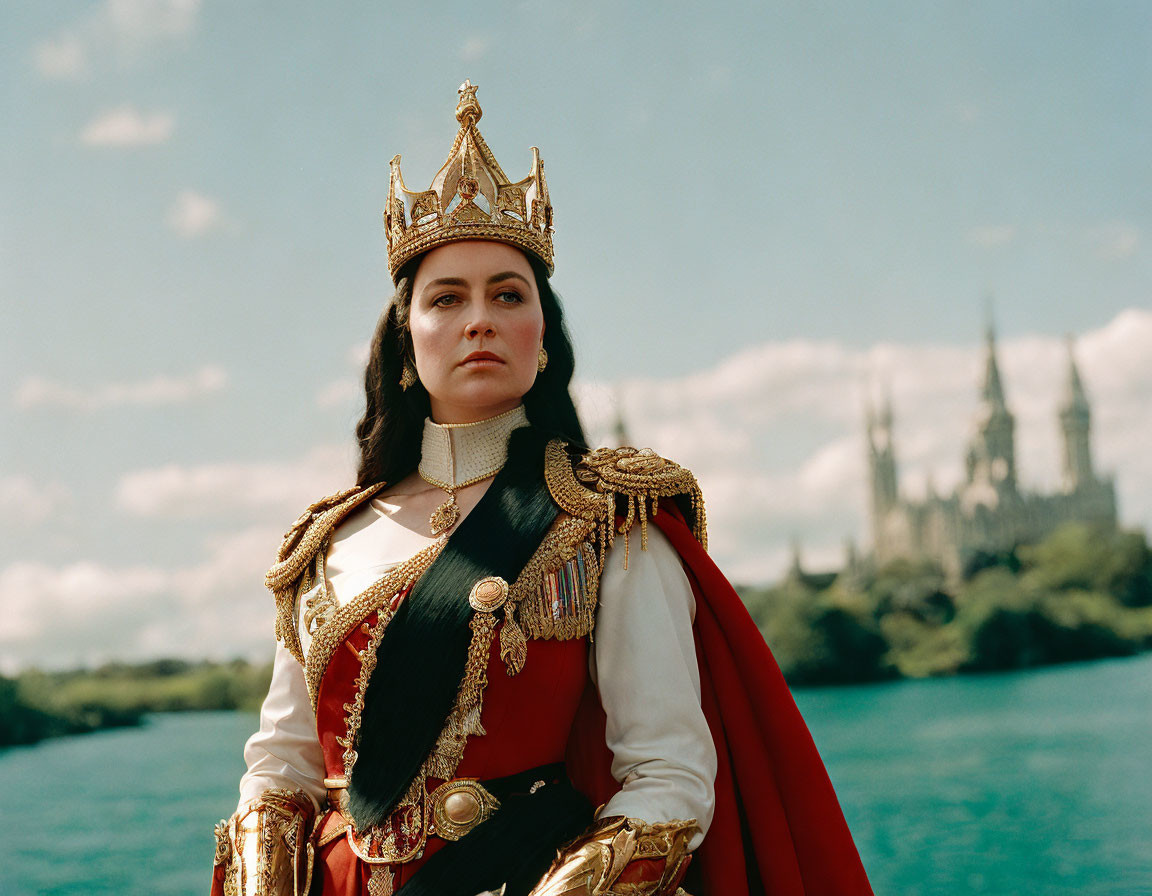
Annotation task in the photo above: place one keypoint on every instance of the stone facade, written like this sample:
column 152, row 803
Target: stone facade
column 988, row 512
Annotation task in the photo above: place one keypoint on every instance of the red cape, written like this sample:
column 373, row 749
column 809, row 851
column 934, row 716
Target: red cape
column 778, row 828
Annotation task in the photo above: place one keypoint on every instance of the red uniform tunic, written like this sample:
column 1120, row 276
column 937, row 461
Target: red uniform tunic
column 527, row 719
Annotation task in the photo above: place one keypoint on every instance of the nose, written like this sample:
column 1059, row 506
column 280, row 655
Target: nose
column 481, row 325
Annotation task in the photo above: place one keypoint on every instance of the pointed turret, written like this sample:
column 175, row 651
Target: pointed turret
column 993, row 391
column 992, row 454
column 619, row 427
column 796, row 563
column 1075, row 426
column 881, row 456
column 883, row 491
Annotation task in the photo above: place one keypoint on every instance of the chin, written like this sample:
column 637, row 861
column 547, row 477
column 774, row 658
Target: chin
column 480, row 401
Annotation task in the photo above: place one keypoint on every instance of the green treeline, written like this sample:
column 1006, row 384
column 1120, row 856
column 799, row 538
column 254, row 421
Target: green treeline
column 37, row 704
column 1082, row 593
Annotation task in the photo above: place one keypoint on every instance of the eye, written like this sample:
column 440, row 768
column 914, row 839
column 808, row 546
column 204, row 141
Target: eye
column 509, row 297
column 445, row 300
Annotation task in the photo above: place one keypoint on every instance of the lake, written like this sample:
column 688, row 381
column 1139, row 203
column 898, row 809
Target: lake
column 1036, row 782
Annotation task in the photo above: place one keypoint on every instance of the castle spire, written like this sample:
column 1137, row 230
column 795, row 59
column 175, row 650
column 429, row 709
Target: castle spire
column 992, row 453
column 1075, row 426
column 619, row 427
column 884, row 489
column 993, row 391
column 1074, row 395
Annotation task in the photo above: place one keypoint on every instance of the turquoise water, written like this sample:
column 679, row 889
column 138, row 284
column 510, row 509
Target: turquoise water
column 1033, row 783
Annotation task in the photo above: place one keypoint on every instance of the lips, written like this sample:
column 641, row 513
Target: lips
column 482, row 359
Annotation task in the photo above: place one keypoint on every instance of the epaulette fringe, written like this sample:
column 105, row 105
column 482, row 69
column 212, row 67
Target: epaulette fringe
column 628, row 482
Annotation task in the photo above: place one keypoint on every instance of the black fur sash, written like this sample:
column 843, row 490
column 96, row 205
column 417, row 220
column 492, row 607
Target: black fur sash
column 421, row 657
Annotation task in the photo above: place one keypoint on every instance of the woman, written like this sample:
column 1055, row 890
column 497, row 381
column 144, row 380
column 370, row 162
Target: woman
column 478, row 649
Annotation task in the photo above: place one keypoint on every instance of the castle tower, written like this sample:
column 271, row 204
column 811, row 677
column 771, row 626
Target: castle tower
column 882, row 469
column 620, row 436
column 992, row 454
column 1075, row 422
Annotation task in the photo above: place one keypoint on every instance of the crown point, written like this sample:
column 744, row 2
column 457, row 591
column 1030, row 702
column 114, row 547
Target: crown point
column 468, row 109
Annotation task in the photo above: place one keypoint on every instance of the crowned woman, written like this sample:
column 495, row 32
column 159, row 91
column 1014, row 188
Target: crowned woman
column 506, row 663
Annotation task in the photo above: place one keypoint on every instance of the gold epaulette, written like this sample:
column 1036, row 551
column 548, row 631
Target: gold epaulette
column 557, row 592
column 297, row 553
column 628, row 482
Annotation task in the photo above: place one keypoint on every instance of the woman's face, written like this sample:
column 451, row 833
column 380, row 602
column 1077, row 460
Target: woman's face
column 477, row 329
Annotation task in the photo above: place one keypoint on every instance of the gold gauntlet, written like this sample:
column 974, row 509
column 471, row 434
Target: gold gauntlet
column 264, row 849
column 621, row 856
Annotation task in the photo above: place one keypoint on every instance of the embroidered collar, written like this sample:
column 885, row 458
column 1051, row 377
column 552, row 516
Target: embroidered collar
column 455, row 454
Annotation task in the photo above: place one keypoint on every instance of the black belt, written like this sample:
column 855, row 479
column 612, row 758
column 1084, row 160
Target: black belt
column 514, row 846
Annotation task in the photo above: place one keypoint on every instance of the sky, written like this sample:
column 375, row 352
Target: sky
column 764, row 212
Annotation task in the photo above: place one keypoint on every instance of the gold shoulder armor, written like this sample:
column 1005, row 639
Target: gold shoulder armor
column 297, row 552
column 625, row 482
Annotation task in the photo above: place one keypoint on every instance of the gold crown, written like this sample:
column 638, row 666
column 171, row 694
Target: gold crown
column 470, row 198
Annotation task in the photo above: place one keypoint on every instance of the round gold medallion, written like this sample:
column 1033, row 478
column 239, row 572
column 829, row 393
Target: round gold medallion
column 461, row 807
column 458, row 806
column 488, row 594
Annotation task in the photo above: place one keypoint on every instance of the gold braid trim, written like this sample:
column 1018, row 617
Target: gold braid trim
column 629, row 480
column 464, row 721
column 412, row 815
column 355, row 709
column 290, row 575
column 375, row 597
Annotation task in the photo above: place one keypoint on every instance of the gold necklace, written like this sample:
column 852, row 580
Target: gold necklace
column 447, row 514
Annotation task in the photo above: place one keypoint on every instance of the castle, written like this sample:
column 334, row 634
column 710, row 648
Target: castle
column 988, row 512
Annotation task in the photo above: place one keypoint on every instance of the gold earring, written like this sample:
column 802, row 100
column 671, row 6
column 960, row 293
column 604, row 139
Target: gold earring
column 541, row 360
column 408, row 377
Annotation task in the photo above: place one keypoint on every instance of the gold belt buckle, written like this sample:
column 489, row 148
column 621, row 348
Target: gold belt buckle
column 459, row 806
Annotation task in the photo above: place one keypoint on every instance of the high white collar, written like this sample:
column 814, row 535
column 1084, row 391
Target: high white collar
column 458, row 454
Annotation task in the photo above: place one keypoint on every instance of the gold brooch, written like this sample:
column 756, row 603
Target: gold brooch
column 459, row 806
column 488, row 594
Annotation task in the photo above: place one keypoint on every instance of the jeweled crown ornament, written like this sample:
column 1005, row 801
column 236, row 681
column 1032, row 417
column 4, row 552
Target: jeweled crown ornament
column 470, row 198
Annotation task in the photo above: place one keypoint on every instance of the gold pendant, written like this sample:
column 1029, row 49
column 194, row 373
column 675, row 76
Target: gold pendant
column 445, row 516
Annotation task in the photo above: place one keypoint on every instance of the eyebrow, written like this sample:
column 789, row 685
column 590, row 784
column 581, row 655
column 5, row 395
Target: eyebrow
column 460, row 281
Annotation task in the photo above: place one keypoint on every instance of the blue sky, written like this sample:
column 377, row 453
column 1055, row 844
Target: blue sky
column 192, row 251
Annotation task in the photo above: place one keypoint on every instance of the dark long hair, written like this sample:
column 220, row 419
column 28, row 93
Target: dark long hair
column 389, row 433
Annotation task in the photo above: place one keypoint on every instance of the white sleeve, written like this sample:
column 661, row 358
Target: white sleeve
column 643, row 660
column 285, row 752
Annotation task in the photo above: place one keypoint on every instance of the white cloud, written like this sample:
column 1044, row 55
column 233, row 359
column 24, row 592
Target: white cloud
column 114, row 29
column 346, row 390
column 1115, row 241
column 475, row 47
column 127, row 126
column 193, row 214
column 86, row 612
column 339, row 393
column 968, row 113
column 992, row 235
column 159, row 390
column 357, row 355
column 775, row 433
column 182, row 491
column 63, row 57
column 151, row 20
column 31, row 501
